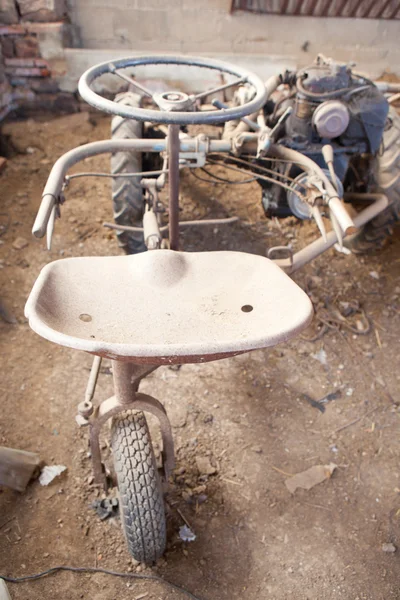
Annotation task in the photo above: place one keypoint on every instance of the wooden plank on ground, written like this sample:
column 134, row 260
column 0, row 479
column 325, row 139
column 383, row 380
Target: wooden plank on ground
column 17, row 467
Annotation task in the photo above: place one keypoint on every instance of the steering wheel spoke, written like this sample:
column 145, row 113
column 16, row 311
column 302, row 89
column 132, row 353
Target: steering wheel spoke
column 130, row 80
column 175, row 107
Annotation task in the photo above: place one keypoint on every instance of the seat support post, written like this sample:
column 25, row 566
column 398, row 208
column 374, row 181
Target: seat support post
column 173, row 165
column 127, row 377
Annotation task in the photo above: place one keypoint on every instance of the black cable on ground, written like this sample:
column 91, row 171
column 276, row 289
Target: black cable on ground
column 100, row 570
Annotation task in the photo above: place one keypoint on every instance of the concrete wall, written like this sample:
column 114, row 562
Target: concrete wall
column 206, row 27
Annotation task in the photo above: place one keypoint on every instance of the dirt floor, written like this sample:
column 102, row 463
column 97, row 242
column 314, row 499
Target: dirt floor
column 249, row 415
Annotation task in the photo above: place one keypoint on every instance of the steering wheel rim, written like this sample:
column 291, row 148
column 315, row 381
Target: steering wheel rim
column 172, row 117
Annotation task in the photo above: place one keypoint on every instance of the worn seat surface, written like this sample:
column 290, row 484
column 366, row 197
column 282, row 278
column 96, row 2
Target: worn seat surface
column 167, row 307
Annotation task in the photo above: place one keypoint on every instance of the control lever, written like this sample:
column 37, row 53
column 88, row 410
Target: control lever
column 268, row 136
column 327, row 153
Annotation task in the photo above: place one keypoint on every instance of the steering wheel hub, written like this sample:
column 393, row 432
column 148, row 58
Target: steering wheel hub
column 174, row 101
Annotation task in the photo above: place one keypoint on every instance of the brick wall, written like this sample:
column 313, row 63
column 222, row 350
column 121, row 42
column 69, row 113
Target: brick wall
column 33, row 36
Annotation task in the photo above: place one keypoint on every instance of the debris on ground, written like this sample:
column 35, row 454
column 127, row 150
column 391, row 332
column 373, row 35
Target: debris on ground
column 388, row 547
column 106, row 508
column 320, row 356
column 204, row 466
column 19, row 243
column 178, row 414
column 186, row 534
column 48, row 474
column 6, row 315
column 309, row 478
column 17, row 468
column 319, row 404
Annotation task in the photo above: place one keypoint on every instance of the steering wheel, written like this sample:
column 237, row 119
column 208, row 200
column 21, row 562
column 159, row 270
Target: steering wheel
column 175, row 107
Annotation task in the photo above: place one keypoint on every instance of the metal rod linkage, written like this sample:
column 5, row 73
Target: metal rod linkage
column 220, row 88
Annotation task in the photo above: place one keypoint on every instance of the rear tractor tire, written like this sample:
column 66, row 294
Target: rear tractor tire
column 374, row 235
column 127, row 194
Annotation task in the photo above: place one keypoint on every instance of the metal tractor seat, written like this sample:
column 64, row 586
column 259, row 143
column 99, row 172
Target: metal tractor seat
column 165, row 307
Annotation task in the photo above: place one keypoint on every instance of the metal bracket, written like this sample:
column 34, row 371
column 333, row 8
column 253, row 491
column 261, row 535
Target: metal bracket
column 281, row 253
column 112, row 407
column 192, row 160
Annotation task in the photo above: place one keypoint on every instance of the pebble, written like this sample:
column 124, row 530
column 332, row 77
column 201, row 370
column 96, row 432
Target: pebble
column 388, row 547
column 204, row 466
column 19, row 243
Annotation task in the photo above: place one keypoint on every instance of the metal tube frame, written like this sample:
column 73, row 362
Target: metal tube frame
column 175, row 145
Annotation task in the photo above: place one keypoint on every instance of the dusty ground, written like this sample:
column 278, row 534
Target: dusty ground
column 248, row 415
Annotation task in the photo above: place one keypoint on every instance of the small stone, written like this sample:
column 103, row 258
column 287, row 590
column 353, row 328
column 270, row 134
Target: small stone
column 388, row 547
column 19, row 243
column 208, row 419
column 204, row 466
column 177, row 415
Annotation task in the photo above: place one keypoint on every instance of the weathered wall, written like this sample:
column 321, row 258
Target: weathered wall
column 47, row 44
column 205, row 26
column 33, row 35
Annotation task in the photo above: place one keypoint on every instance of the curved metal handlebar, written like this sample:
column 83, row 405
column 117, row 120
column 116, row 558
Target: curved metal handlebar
column 53, row 188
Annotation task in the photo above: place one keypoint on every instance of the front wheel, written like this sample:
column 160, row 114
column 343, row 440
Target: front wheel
column 139, row 485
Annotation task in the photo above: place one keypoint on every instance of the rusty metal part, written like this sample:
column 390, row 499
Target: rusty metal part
column 319, row 246
column 173, row 158
column 127, row 377
column 176, row 359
